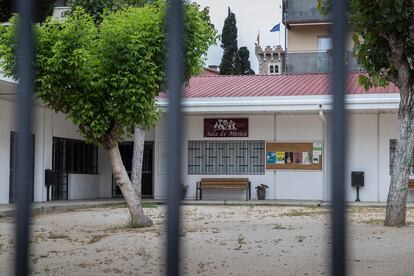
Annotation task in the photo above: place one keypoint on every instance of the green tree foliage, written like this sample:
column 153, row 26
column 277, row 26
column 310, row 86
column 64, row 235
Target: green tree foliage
column 377, row 26
column 242, row 63
column 384, row 45
column 105, row 77
column 97, row 8
column 229, row 44
column 44, row 8
column 381, row 27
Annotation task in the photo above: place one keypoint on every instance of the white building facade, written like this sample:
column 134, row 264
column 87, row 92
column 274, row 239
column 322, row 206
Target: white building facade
column 274, row 115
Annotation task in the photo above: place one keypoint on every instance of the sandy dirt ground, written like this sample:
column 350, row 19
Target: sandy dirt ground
column 217, row 240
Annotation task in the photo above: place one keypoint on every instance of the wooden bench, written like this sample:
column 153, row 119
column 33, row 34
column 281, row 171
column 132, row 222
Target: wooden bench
column 411, row 185
column 223, row 183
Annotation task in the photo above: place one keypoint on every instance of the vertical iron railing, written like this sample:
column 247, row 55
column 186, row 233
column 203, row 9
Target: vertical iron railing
column 338, row 138
column 175, row 73
column 24, row 140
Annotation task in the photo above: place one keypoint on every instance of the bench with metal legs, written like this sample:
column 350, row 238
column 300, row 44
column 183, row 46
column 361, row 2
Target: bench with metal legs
column 223, row 183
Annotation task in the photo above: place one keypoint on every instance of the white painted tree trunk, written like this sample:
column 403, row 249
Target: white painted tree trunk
column 138, row 218
column 137, row 161
column 397, row 196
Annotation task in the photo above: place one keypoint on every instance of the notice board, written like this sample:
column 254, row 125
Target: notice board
column 294, row 156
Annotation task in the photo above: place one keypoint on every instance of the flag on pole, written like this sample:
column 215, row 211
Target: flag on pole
column 258, row 38
column 276, row 28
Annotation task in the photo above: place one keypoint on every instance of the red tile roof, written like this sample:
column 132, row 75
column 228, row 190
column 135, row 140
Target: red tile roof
column 276, row 85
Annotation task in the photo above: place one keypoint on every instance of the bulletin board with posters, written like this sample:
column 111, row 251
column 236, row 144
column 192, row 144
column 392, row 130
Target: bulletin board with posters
column 294, row 156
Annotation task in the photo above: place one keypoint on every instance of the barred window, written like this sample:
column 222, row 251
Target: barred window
column 226, row 157
column 393, row 144
column 75, row 156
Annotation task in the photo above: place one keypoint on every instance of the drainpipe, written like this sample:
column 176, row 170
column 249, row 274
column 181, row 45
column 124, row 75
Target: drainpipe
column 321, row 114
column 324, row 150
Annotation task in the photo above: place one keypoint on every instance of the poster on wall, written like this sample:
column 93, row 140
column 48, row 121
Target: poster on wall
column 317, row 152
column 306, row 158
column 288, row 157
column 280, row 157
column 271, row 157
column 295, row 155
column 226, row 127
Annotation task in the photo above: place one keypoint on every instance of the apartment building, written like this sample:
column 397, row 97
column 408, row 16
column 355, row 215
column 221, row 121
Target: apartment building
column 308, row 39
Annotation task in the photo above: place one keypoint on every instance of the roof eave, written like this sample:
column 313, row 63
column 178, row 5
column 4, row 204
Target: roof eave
column 389, row 101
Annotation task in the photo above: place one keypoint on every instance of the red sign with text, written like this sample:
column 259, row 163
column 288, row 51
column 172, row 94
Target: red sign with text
column 227, row 127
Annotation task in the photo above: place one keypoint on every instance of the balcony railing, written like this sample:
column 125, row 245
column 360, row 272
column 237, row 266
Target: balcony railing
column 302, row 11
column 317, row 62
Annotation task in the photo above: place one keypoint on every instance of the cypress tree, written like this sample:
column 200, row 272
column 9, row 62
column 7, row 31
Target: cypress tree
column 237, row 65
column 229, row 44
column 242, row 63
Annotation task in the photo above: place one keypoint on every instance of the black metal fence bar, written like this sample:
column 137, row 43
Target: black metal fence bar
column 175, row 73
column 338, row 136
column 24, row 140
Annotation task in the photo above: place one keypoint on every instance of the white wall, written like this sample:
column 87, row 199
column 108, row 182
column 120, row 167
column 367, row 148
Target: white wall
column 299, row 184
column 64, row 128
column 388, row 129
column 362, row 155
column 368, row 151
column 7, row 125
column 261, row 127
column 283, row 184
column 105, row 174
column 5, row 128
column 46, row 125
column 42, row 146
column 84, row 186
column 48, row 147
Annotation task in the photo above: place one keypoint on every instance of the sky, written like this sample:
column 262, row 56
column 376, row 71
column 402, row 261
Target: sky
column 252, row 17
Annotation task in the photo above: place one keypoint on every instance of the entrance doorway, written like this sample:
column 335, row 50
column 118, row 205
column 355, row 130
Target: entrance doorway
column 126, row 149
column 13, row 167
column 59, row 166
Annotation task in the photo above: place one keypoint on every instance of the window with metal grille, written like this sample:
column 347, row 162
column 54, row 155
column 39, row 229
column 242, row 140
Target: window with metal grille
column 226, row 157
column 393, row 144
column 76, row 156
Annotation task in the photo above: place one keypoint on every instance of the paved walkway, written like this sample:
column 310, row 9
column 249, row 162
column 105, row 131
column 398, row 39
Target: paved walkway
column 66, row 205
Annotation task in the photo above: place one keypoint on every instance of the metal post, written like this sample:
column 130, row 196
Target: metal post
column 24, row 137
column 338, row 135
column 175, row 73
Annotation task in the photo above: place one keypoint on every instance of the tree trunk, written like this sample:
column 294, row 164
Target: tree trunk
column 139, row 143
column 397, row 196
column 138, row 218
column 137, row 160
